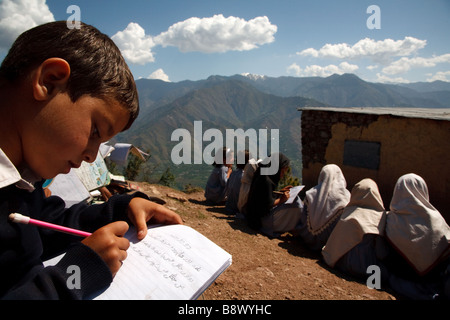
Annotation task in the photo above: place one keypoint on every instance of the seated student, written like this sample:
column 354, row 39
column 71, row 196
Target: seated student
column 414, row 227
column 234, row 183
column 323, row 205
column 357, row 241
column 266, row 213
column 246, row 182
column 63, row 92
column 217, row 181
column 421, row 237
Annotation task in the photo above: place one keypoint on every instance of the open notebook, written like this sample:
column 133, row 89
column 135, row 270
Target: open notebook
column 173, row 262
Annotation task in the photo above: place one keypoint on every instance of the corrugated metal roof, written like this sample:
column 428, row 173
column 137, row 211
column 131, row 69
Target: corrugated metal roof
column 424, row 113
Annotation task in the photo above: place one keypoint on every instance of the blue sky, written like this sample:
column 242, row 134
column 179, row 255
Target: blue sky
column 177, row 40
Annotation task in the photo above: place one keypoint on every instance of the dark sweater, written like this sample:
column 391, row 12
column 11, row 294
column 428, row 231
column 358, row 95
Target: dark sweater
column 24, row 247
column 260, row 199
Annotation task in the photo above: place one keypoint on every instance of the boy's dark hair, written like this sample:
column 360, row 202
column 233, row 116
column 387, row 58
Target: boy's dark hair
column 97, row 66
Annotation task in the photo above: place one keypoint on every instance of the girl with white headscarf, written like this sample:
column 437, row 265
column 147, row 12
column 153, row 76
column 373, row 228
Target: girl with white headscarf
column 419, row 261
column 414, row 227
column 357, row 240
column 323, row 206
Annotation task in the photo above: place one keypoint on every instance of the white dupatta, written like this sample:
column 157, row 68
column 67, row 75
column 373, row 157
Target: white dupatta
column 414, row 227
column 363, row 215
column 325, row 201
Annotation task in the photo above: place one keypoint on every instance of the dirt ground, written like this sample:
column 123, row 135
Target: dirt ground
column 262, row 268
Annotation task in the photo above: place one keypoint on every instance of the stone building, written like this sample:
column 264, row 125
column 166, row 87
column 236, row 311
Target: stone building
column 381, row 144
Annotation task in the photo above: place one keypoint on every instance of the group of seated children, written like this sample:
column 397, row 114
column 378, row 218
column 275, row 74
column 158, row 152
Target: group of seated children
column 409, row 243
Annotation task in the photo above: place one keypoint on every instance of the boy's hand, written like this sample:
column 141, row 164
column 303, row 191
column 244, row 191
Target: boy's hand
column 108, row 242
column 140, row 211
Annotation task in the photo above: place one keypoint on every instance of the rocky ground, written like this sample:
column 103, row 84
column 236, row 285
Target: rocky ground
column 262, row 268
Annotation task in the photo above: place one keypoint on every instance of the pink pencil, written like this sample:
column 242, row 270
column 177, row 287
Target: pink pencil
column 18, row 218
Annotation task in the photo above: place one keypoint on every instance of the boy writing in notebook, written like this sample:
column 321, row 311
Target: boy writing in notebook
column 63, row 92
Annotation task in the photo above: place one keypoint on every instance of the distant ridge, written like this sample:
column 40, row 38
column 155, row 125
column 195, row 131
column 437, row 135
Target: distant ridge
column 348, row 90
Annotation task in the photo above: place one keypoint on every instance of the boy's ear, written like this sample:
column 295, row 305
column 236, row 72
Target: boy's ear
column 50, row 77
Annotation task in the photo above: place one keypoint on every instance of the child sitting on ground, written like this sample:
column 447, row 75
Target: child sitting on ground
column 234, row 183
column 217, row 181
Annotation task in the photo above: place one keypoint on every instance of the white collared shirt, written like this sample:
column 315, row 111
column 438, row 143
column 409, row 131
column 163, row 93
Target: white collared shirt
column 10, row 175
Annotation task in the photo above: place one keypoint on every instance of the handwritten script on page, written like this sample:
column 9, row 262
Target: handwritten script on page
column 172, row 262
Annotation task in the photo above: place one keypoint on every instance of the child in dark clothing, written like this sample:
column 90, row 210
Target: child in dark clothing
column 234, row 183
column 272, row 216
column 217, row 181
column 63, row 92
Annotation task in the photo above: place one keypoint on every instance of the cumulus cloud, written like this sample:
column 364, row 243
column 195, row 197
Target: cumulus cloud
column 218, row 34
column 385, row 79
column 134, row 44
column 17, row 16
column 319, row 71
column 440, row 75
column 207, row 35
column 160, row 75
column 379, row 51
column 405, row 64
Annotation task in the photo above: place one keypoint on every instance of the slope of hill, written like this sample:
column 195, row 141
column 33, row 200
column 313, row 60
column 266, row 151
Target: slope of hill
column 223, row 105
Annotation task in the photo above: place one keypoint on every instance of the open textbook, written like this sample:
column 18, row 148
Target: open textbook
column 173, row 262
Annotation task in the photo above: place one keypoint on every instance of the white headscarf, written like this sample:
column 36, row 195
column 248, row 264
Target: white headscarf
column 325, row 200
column 414, row 227
column 364, row 214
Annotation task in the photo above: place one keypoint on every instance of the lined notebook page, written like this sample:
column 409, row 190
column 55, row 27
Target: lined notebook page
column 173, row 262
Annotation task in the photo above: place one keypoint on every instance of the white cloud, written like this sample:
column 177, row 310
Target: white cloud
column 295, row 69
column 440, row 75
column 385, row 79
column 319, row 71
column 160, row 75
column 379, row 51
column 17, row 16
column 393, row 56
column 405, row 64
column 218, row 34
column 134, row 44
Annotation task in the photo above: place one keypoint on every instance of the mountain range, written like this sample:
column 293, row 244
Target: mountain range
column 255, row 102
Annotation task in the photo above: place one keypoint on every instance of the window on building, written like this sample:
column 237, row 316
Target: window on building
column 362, row 154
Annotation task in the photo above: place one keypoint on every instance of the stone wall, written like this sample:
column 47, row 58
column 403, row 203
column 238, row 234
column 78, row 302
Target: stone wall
column 407, row 145
column 316, row 131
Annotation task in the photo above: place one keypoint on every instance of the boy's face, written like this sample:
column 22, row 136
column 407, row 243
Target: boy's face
column 64, row 133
